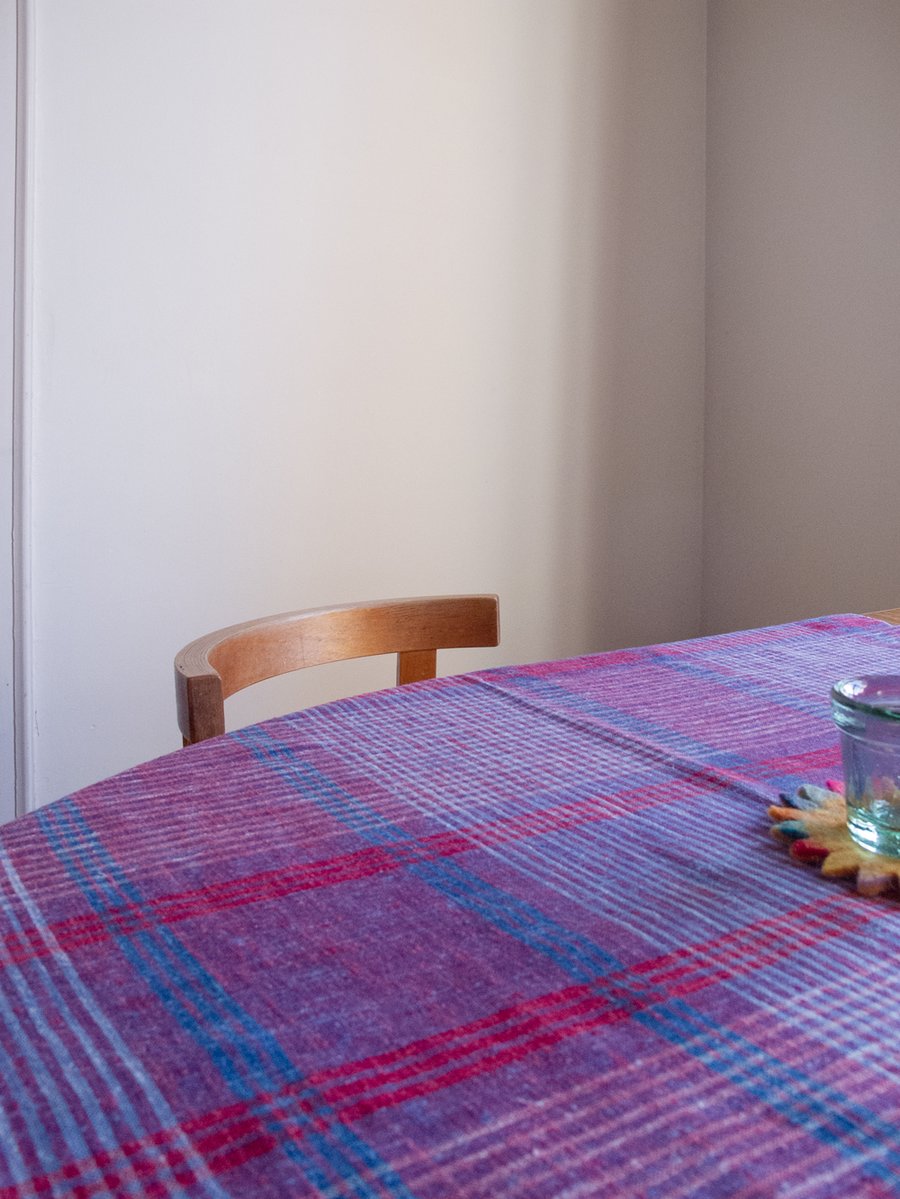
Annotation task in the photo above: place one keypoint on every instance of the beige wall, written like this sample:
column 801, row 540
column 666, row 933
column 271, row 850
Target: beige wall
column 342, row 299
column 803, row 310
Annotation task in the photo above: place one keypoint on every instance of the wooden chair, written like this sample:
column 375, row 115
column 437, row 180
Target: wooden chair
column 215, row 666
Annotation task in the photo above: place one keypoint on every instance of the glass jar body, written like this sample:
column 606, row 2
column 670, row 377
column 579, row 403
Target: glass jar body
column 866, row 710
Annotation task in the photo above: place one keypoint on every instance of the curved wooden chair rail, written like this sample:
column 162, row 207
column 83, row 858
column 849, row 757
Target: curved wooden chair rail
column 217, row 665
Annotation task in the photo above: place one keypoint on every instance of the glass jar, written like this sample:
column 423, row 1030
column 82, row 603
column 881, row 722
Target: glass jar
column 867, row 712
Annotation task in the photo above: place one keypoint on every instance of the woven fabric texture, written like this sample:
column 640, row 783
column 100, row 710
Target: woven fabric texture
column 516, row 933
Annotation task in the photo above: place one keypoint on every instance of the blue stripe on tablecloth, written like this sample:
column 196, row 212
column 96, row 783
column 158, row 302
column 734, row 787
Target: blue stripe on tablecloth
column 36, row 1129
column 66, row 1116
column 162, row 1170
column 820, row 1110
column 729, row 661
column 831, row 1117
column 760, row 688
column 561, row 703
column 65, row 1119
column 581, row 958
column 659, row 746
column 179, row 982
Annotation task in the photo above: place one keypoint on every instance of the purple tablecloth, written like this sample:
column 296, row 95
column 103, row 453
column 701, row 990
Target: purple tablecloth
column 516, row 933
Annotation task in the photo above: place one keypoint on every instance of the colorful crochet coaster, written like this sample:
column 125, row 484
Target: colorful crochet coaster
column 814, row 822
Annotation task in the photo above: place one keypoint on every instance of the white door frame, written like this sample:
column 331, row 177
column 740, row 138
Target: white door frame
column 16, row 109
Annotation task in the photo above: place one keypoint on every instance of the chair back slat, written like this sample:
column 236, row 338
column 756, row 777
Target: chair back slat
column 215, row 666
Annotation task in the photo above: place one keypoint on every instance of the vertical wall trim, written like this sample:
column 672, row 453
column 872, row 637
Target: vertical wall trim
column 23, row 706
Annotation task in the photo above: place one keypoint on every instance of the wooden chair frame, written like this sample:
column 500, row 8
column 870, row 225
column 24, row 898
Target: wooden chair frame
column 215, row 666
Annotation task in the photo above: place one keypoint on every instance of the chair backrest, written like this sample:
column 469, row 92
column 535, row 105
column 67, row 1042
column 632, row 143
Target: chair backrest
column 217, row 665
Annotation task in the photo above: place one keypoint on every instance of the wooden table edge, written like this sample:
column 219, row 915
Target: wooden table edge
column 891, row 615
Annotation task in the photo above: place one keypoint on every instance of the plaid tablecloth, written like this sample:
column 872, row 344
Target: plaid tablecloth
column 515, row 933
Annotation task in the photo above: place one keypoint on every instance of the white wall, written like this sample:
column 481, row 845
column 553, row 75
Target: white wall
column 803, row 313
column 339, row 299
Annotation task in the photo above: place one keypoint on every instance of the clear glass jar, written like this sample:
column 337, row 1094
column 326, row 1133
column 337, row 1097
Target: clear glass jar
column 867, row 712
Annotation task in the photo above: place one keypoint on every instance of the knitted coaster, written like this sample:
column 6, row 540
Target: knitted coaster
column 814, row 822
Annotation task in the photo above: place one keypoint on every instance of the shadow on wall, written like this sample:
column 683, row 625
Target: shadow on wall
column 629, row 424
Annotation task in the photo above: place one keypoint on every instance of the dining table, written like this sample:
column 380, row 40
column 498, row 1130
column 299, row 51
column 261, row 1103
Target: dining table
column 515, row 932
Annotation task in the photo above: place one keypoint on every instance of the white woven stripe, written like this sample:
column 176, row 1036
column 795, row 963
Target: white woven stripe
column 807, row 1001
column 100, row 1042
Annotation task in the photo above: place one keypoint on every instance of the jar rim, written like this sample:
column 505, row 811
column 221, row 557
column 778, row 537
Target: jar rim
column 872, row 694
